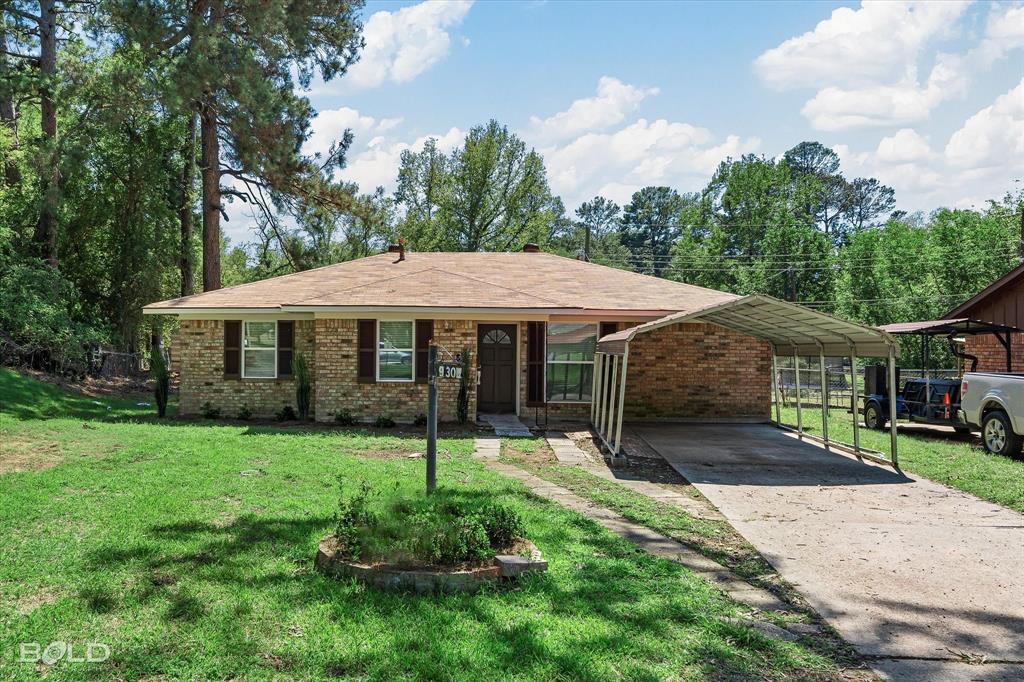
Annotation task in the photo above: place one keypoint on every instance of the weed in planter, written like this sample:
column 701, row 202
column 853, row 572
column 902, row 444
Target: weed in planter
column 502, row 525
column 209, row 411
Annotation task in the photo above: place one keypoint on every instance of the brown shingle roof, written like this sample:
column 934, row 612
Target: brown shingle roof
column 463, row 280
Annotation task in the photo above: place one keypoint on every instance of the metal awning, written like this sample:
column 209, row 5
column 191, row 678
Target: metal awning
column 959, row 325
column 789, row 327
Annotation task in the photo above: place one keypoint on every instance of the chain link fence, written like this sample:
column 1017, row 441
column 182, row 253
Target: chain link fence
column 838, row 383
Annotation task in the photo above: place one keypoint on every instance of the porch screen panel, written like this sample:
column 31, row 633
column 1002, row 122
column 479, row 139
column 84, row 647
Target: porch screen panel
column 570, row 361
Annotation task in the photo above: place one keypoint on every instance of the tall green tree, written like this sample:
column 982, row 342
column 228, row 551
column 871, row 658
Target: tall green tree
column 651, row 225
column 235, row 64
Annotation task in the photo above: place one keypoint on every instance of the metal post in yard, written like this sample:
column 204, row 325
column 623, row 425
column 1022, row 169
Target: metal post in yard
column 775, row 385
column 622, row 401
column 611, row 399
column 856, row 399
column 824, row 394
column 595, row 391
column 893, row 392
column 796, row 373
column 431, row 418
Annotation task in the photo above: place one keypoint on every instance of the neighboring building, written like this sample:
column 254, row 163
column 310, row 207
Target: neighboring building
column 1001, row 302
column 530, row 322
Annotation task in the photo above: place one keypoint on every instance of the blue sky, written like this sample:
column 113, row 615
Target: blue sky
column 928, row 97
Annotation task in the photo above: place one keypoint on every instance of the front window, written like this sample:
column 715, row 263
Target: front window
column 395, row 351
column 570, row 361
column 259, row 356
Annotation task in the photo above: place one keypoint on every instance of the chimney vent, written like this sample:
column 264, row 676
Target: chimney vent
column 398, row 248
column 394, row 248
column 530, row 247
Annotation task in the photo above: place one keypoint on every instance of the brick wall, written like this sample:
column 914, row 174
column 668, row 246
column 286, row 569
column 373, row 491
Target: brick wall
column 338, row 387
column 692, row 371
column 199, row 358
column 992, row 355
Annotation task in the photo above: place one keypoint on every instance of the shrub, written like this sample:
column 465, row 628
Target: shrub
column 352, row 517
column 344, row 418
column 286, row 414
column 303, row 385
column 421, row 420
column 161, row 381
column 463, row 541
column 384, row 422
column 209, row 411
column 244, row 413
column 502, row 524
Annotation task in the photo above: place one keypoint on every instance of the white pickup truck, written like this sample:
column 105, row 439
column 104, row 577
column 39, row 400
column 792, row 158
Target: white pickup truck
column 994, row 404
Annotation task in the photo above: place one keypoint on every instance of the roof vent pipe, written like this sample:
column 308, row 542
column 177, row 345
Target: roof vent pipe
column 398, row 248
column 530, row 247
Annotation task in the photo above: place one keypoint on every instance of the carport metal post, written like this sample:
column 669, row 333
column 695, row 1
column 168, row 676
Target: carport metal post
column 855, row 398
column 796, row 374
column 893, row 392
column 775, row 385
column 611, row 400
column 622, row 400
column 824, row 393
column 594, row 399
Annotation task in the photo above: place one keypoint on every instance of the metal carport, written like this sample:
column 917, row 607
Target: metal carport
column 789, row 328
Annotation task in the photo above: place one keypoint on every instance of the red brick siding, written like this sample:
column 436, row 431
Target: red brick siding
column 338, row 387
column 992, row 355
column 199, row 358
column 691, row 371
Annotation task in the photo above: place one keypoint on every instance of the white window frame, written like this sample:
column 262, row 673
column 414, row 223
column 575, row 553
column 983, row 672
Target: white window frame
column 597, row 335
column 377, row 350
column 277, row 337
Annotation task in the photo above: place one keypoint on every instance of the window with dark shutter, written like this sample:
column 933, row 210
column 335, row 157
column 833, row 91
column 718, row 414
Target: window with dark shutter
column 536, row 333
column 424, row 333
column 285, row 347
column 608, row 328
column 232, row 348
column 367, row 351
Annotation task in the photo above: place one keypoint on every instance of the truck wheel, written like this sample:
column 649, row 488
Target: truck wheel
column 997, row 434
column 873, row 418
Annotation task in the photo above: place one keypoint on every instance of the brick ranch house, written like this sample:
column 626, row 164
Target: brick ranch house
column 1001, row 302
column 530, row 322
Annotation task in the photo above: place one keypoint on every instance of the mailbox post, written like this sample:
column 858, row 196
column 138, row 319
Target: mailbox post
column 431, row 419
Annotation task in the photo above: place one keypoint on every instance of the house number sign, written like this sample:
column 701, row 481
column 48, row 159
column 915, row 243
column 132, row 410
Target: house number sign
column 447, row 370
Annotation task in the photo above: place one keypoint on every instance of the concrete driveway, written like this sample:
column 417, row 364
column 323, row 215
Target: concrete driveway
column 914, row 574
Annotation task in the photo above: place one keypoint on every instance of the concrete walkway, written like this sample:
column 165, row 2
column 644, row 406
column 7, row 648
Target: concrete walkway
column 916, row 575
column 506, row 425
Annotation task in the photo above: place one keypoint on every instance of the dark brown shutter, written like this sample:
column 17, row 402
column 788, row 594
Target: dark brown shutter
column 367, row 344
column 608, row 328
column 232, row 348
column 536, row 333
column 285, row 347
column 424, row 333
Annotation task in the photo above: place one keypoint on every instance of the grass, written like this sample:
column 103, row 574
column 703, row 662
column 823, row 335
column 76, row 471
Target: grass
column 957, row 461
column 187, row 547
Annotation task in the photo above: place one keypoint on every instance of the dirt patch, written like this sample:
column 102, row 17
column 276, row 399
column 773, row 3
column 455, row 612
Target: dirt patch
column 96, row 387
column 24, row 454
column 29, row 603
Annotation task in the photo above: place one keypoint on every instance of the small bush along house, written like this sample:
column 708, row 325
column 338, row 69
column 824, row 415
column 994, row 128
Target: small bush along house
column 529, row 322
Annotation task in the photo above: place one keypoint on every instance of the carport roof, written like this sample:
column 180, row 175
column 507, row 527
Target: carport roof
column 791, row 328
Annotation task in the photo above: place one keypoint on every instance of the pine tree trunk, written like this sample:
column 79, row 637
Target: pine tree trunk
column 211, row 194
column 8, row 115
column 46, row 230
column 188, row 174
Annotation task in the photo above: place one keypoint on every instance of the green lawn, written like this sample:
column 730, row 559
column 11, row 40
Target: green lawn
column 957, row 461
column 187, row 547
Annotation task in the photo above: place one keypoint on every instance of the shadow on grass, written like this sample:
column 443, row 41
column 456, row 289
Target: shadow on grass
column 613, row 610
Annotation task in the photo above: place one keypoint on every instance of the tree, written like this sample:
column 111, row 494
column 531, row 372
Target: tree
column 650, row 226
column 597, row 217
column 235, row 64
column 868, row 200
column 490, row 194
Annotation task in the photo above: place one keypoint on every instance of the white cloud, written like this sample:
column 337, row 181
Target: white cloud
column 993, row 137
column 376, row 163
column 864, row 62
column 903, row 147
column 613, row 101
column 616, row 164
column 401, row 45
column 329, row 127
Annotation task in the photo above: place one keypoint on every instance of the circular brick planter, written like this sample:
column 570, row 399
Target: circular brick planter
column 390, row 577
